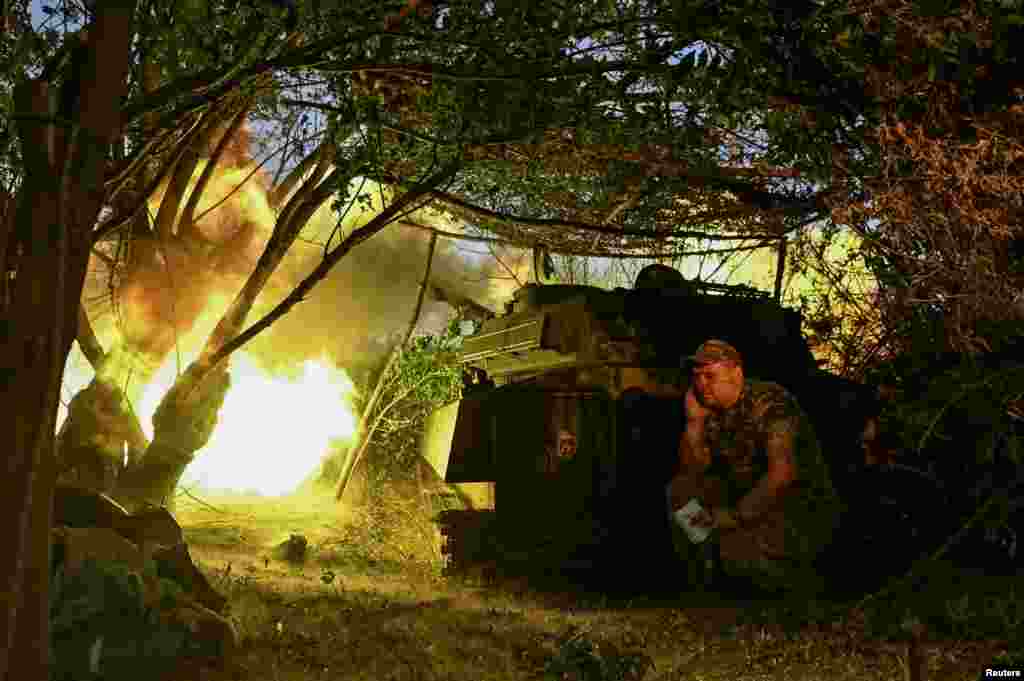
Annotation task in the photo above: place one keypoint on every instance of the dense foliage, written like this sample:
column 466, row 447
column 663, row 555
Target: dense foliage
column 603, row 127
column 426, row 377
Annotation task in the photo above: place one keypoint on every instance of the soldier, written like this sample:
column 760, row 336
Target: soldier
column 750, row 456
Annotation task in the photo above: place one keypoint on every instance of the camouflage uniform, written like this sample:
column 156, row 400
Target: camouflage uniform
column 776, row 549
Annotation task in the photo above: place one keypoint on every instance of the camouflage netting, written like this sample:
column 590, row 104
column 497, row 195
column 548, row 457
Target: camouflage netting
column 577, row 237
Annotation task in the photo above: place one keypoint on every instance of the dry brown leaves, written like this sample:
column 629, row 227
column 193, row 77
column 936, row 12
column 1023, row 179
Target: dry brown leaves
column 946, row 209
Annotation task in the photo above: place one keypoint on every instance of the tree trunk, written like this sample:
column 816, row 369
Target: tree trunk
column 101, row 426
column 46, row 256
column 100, row 420
column 34, row 350
column 99, row 430
column 186, row 416
column 183, row 424
column 780, row 269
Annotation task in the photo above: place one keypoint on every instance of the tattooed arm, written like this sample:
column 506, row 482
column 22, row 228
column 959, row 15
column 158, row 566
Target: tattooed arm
column 780, row 440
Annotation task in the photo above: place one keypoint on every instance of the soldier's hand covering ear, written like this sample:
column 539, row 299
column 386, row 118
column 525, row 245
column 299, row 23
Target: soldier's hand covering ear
column 695, row 411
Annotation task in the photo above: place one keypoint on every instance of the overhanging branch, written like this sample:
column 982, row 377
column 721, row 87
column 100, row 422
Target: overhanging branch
column 359, row 235
column 585, row 253
column 487, row 214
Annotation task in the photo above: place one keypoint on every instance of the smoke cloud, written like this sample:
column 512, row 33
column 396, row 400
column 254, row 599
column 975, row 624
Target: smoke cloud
column 368, row 299
column 353, row 316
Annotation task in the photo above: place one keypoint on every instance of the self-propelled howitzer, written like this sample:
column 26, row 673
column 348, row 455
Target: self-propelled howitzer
column 573, row 409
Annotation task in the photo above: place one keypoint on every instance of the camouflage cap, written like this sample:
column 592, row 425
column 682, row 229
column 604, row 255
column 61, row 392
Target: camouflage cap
column 715, row 350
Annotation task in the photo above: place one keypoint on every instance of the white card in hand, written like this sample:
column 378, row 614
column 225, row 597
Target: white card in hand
column 684, row 517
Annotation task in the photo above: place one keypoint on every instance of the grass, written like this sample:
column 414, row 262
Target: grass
column 369, row 603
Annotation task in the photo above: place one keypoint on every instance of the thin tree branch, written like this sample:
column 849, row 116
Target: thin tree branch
column 298, row 211
column 589, row 253
column 287, row 154
column 454, row 235
column 490, row 247
column 238, row 186
column 280, row 192
column 325, row 157
column 118, row 221
column 488, row 214
column 352, row 460
column 359, row 235
column 167, row 216
column 398, row 398
column 780, row 267
column 187, row 224
column 115, row 182
column 87, row 341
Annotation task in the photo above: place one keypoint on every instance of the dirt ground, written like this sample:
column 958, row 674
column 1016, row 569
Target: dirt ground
column 369, row 603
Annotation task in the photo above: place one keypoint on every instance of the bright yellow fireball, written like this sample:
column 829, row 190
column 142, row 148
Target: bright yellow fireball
column 273, row 429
